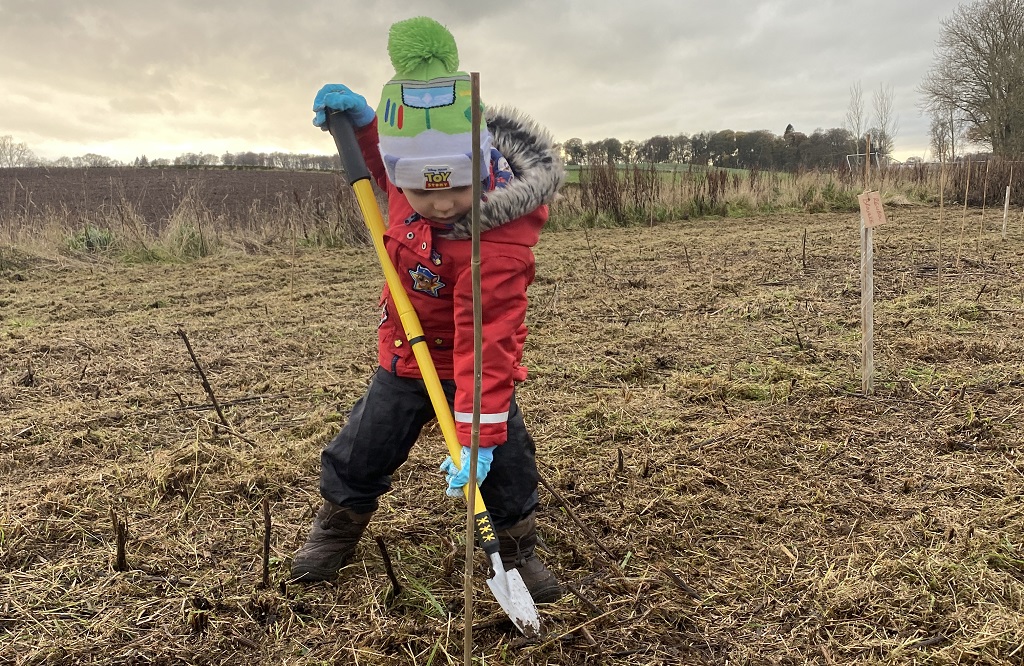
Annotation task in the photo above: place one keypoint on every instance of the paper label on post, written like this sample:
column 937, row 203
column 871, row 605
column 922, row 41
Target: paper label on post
column 871, row 210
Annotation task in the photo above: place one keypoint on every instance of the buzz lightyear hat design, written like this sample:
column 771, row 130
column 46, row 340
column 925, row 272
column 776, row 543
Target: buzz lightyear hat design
column 425, row 112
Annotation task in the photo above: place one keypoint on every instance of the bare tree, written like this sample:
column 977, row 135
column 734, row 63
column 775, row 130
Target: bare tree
column 979, row 73
column 939, row 139
column 14, row 154
column 946, row 133
column 855, row 112
column 886, row 123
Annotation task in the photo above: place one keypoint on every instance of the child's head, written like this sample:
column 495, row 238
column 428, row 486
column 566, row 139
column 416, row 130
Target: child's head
column 424, row 119
column 441, row 205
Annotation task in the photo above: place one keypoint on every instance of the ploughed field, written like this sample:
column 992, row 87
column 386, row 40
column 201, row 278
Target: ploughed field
column 695, row 398
column 110, row 195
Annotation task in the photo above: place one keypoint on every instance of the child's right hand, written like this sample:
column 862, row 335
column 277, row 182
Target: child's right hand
column 337, row 97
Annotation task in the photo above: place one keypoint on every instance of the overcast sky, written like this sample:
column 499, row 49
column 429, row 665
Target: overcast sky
column 123, row 78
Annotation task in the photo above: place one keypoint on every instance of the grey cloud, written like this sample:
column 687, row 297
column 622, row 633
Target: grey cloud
column 138, row 75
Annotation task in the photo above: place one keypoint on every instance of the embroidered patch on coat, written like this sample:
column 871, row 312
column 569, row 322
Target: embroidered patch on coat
column 383, row 314
column 426, row 281
column 435, row 257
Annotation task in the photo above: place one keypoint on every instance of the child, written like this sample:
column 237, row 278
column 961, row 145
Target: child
column 418, row 147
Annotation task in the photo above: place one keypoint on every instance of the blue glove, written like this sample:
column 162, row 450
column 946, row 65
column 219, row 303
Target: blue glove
column 337, row 97
column 457, row 478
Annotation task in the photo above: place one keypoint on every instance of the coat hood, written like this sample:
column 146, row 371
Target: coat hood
column 536, row 164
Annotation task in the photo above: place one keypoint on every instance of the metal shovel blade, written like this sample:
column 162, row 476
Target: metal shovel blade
column 514, row 598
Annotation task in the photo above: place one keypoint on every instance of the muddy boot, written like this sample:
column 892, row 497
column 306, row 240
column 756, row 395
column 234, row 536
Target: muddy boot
column 517, row 545
column 331, row 542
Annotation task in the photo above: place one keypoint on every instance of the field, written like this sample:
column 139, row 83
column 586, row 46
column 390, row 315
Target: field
column 695, row 397
column 79, row 196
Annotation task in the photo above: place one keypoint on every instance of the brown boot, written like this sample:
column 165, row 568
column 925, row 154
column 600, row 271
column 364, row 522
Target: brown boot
column 516, row 549
column 332, row 540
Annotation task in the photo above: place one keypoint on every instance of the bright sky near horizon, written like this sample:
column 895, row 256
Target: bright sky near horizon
column 123, row 78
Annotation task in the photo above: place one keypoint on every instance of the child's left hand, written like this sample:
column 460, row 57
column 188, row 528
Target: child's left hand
column 457, row 478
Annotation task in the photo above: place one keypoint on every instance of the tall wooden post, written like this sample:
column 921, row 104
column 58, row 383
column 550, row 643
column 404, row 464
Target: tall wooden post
column 867, row 289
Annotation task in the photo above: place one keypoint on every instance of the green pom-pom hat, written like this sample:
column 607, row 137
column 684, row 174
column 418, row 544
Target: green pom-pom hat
column 424, row 119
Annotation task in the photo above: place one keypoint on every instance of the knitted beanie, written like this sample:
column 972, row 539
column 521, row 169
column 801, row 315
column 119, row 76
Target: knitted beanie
column 425, row 112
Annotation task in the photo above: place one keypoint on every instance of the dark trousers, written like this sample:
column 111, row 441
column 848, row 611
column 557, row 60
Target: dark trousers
column 356, row 467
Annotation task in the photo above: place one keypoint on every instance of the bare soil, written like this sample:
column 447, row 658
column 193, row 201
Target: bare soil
column 77, row 196
column 695, row 394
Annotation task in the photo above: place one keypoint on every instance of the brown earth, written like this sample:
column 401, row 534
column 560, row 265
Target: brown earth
column 695, row 397
column 80, row 195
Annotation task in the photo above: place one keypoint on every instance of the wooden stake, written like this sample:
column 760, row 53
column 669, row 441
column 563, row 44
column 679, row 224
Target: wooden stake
column 963, row 220
column 867, row 289
column 266, row 543
column 477, row 369
column 867, row 159
column 803, row 251
column 120, row 539
column 938, row 260
column 202, row 377
column 1006, row 205
column 209, row 389
column 981, row 224
column 396, row 587
column 867, row 310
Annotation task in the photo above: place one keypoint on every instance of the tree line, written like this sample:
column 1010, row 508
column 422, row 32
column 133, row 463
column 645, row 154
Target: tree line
column 14, row 154
column 744, row 150
column 761, row 149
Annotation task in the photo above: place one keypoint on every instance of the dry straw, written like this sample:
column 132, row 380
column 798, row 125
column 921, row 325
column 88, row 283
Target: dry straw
column 694, row 397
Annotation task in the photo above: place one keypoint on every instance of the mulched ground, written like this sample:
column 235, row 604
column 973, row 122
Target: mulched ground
column 695, row 397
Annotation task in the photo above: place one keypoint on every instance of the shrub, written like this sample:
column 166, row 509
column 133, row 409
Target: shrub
column 90, row 239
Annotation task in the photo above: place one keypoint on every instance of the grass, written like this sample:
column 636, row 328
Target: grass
column 694, row 396
column 129, row 228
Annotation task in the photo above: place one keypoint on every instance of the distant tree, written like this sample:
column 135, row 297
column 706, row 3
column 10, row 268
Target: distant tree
column 612, row 150
column 14, row 154
column 754, row 149
column 700, row 154
column 940, row 139
column 788, row 151
column 630, row 150
column 141, row 161
column 978, row 74
column 722, row 148
column 680, row 149
column 63, row 161
column 855, row 121
column 840, row 142
column 813, row 152
column 887, row 124
column 93, row 160
column 656, row 149
column 946, row 133
column 574, row 151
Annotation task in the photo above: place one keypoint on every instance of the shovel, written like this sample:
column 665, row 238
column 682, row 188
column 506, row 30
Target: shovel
column 507, row 586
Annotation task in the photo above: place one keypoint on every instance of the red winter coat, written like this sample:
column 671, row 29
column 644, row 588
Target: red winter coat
column 433, row 261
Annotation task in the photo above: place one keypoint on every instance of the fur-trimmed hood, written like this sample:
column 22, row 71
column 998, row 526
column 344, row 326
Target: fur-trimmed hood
column 538, row 169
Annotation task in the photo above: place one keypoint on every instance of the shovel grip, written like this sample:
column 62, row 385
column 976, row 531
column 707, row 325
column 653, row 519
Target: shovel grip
column 485, row 534
column 340, row 127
